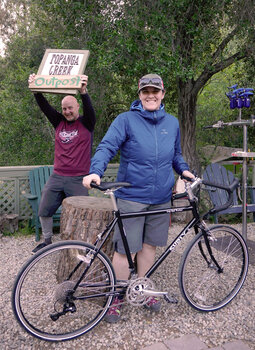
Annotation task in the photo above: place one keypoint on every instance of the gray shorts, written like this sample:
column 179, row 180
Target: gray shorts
column 56, row 189
column 150, row 229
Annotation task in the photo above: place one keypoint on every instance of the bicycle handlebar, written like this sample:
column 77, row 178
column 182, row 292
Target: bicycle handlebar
column 195, row 182
column 230, row 189
column 104, row 186
column 239, row 122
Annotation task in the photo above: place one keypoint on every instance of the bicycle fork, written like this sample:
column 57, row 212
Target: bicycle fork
column 208, row 237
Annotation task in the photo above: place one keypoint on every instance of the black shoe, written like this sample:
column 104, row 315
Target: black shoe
column 40, row 246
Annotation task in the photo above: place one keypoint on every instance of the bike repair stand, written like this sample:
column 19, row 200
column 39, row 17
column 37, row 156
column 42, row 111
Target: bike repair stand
column 240, row 98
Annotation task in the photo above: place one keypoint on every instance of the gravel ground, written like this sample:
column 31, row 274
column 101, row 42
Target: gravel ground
column 138, row 327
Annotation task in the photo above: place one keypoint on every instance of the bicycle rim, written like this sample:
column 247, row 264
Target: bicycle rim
column 43, row 285
column 203, row 285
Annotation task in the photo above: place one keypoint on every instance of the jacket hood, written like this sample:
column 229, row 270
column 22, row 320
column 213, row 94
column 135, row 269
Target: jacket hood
column 137, row 106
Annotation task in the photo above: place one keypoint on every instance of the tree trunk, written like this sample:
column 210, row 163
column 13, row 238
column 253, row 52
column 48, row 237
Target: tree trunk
column 82, row 219
column 187, row 98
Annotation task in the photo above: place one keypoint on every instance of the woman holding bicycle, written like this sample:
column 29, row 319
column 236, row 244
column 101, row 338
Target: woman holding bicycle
column 149, row 142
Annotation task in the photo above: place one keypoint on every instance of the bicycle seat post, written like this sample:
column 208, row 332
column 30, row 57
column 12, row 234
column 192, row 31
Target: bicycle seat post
column 113, row 199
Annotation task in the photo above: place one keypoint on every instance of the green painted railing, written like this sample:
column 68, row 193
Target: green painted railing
column 14, row 184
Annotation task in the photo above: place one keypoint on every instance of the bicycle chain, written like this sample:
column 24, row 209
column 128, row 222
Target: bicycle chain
column 134, row 293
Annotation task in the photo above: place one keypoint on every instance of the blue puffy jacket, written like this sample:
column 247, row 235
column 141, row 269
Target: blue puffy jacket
column 150, row 148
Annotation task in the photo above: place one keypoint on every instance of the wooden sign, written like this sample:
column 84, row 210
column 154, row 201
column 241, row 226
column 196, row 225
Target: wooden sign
column 55, row 82
column 60, row 71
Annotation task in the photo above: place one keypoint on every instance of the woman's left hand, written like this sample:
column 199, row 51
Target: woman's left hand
column 187, row 173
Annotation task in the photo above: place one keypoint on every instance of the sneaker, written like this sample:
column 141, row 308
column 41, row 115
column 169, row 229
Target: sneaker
column 40, row 246
column 153, row 304
column 113, row 314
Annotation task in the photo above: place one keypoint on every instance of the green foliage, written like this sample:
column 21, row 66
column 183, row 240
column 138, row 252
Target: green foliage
column 186, row 42
column 213, row 105
column 24, row 230
column 24, row 137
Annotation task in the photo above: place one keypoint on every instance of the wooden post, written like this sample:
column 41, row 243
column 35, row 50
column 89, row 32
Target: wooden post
column 183, row 217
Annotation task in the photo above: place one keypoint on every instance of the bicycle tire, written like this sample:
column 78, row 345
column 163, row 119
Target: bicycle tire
column 41, row 288
column 204, row 286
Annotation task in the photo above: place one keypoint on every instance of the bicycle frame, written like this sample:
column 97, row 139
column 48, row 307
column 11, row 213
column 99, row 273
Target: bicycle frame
column 194, row 222
column 118, row 217
column 197, row 222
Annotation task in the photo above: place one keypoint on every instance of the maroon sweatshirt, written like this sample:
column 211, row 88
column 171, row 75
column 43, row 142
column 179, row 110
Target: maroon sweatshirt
column 73, row 140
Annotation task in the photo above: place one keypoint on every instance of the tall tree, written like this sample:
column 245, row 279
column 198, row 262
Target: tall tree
column 188, row 40
column 185, row 41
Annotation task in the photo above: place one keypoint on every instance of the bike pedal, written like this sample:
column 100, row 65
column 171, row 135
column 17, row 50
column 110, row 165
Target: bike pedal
column 171, row 299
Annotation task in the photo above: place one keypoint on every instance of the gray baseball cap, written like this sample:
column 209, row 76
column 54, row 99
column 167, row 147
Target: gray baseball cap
column 153, row 80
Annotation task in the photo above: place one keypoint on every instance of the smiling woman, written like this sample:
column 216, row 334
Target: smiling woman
column 149, row 142
column 151, row 91
column 151, row 98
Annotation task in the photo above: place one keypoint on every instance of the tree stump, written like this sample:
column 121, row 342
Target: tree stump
column 9, row 223
column 182, row 217
column 83, row 218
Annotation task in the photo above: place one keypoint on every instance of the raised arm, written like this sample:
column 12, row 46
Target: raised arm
column 89, row 117
column 54, row 116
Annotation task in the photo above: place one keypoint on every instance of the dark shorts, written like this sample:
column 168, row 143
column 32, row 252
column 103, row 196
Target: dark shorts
column 56, row 189
column 150, row 229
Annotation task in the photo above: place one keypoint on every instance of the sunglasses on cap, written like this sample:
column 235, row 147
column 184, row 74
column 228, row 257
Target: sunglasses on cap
column 156, row 82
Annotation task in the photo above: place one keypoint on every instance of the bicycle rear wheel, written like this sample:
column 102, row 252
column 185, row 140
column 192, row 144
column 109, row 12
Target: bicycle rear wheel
column 209, row 281
column 43, row 298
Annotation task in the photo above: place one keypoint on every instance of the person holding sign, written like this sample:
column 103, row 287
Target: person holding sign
column 149, row 141
column 73, row 143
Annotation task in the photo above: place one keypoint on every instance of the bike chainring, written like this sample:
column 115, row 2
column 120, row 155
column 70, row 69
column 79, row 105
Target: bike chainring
column 135, row 291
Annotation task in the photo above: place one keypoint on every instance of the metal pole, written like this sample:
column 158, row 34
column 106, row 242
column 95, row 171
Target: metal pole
column 245, row 175
column 240, row 98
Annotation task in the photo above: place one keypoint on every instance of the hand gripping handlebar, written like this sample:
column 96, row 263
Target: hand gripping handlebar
column 195, row 182
column 104, row 186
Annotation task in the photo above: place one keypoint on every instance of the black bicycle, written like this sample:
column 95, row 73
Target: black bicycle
column 66, row 289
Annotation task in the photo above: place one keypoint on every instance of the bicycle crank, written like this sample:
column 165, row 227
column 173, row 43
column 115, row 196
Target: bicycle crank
column 140, row 290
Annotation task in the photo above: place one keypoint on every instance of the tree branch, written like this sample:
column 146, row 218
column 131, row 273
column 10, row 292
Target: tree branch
column 224, row 43
column 209, row 72
column 228, row 61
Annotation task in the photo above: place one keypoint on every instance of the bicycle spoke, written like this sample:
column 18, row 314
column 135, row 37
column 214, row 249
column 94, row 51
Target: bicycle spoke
column 42, row 294
column 203, row 284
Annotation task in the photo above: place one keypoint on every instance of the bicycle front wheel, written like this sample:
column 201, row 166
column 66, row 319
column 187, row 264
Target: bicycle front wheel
column 213, row 268
column 63, row 291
